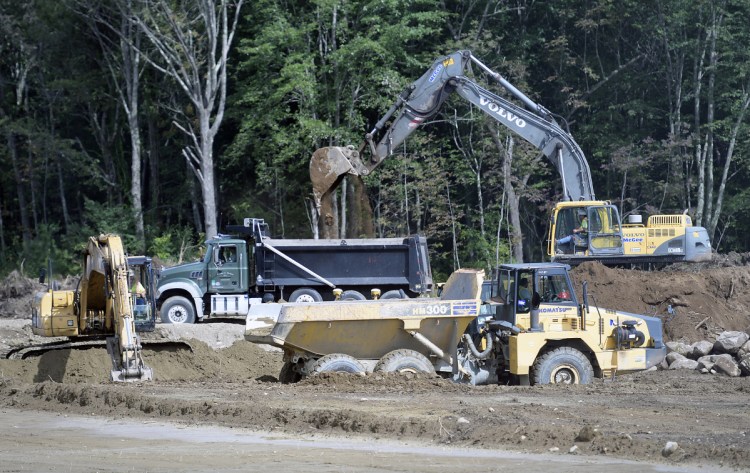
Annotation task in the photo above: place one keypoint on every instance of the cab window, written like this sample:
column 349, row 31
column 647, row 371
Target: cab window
column 225, row 254
column 554, row 288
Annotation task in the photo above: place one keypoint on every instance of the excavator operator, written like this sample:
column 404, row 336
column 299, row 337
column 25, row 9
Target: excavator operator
column 581, row 231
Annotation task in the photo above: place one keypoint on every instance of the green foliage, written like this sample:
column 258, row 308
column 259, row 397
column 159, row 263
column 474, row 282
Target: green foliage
column 176, row 245
column 102, row 218
column 46, row 251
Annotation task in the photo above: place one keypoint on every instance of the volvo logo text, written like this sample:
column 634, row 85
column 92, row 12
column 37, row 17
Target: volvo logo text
column 498, row 110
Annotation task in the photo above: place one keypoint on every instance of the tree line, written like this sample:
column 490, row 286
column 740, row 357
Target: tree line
column 164, row 120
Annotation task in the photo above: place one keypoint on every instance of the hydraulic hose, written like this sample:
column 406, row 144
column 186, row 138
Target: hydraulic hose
column 474, row 351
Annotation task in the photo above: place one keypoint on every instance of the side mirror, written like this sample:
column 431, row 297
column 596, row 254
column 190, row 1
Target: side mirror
column 42, row 275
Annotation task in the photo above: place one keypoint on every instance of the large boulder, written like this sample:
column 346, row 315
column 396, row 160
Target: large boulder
column 730, row 342
column 744, row 364
column 701, row 348
column 673, row 356
column 744, row 350
column 683, row 364
column 679, row 347
column 724, row 364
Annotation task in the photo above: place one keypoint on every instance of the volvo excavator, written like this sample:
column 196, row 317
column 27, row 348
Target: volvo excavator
column 663, row 239
column 103, row 308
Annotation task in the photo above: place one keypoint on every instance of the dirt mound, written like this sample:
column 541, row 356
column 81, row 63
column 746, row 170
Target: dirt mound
column 694, row 305
column 238, row 362
column 17, row 293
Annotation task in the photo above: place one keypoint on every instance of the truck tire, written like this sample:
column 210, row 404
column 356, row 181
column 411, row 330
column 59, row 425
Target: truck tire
column 305, row 294
column 394, row 294
column 563, row 365
column 352, row 295
column 288, row 375
column 339, row 363
column 177, row 310
column 404, row 361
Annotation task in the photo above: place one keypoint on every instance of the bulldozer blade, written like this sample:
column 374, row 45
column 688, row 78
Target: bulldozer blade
column 329, row 165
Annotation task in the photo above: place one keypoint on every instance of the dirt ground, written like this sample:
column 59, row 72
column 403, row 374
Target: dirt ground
column 227, row 382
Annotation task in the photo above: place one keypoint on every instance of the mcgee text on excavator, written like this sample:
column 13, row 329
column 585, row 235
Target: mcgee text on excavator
column 663, row 239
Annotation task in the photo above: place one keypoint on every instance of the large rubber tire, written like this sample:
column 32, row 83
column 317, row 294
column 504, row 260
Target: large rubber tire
column 404, row 361
column 288, row 375
column 564, row 365
column 352, row 295
column 177, row 310
column 394, row 294
column 339, row 363
column 305, row 294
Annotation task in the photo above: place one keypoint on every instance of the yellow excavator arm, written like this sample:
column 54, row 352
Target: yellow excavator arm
column 124, row 347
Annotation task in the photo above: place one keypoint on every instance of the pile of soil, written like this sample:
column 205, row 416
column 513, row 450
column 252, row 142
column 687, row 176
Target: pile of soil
column 693, row 304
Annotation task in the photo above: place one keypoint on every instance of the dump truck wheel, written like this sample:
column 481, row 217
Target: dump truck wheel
column 352, row 296
column 404, row 361
column 338, row 362
column 288, row 375
column 177, row 310
column 305, row 294
column 564, row 365
column 394, row 294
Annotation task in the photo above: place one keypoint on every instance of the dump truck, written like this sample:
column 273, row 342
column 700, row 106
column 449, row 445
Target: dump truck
column 532, row 328
column 250, row 268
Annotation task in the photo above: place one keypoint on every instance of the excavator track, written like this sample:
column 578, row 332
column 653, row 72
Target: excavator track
column 21, row 353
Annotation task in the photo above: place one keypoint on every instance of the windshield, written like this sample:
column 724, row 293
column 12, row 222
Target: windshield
column 554, row 288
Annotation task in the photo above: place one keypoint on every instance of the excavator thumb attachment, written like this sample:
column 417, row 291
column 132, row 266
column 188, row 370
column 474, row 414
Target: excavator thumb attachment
column 329, row 165
column 127, row 369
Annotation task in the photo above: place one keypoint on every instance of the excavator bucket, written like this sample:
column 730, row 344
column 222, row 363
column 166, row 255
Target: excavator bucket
column 130, row 369
column 329, row 165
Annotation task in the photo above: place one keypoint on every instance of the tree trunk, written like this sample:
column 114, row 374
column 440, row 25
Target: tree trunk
column 63, row 201
column 727, row 161
column 454, row 234
column 195, row 56
column 135, row 184
column 2, row 235
column 130, row 42
column 153, row 162
column 698, row 147
column 22, row 207
column 514, row 215
column 194, row 201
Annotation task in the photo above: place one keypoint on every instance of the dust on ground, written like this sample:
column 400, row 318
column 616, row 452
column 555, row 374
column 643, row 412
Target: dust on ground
column 226, row 381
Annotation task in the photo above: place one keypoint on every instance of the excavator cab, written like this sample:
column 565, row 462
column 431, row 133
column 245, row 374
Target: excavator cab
column 141, row 283
column 585, row 230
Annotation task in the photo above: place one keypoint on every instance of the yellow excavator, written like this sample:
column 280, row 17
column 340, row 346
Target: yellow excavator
column 103, row 307
column 663, row 239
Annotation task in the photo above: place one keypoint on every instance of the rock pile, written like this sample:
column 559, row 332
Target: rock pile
column 728, row 355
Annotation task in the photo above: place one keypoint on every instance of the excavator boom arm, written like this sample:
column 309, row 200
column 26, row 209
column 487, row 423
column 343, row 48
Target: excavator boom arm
column 423, row 99
column 105, row 255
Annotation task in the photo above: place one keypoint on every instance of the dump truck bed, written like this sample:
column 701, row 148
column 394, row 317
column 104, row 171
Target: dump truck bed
column 370, row 329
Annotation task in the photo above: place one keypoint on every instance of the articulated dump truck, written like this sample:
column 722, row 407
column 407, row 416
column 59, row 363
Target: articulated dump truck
column 525, row 326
